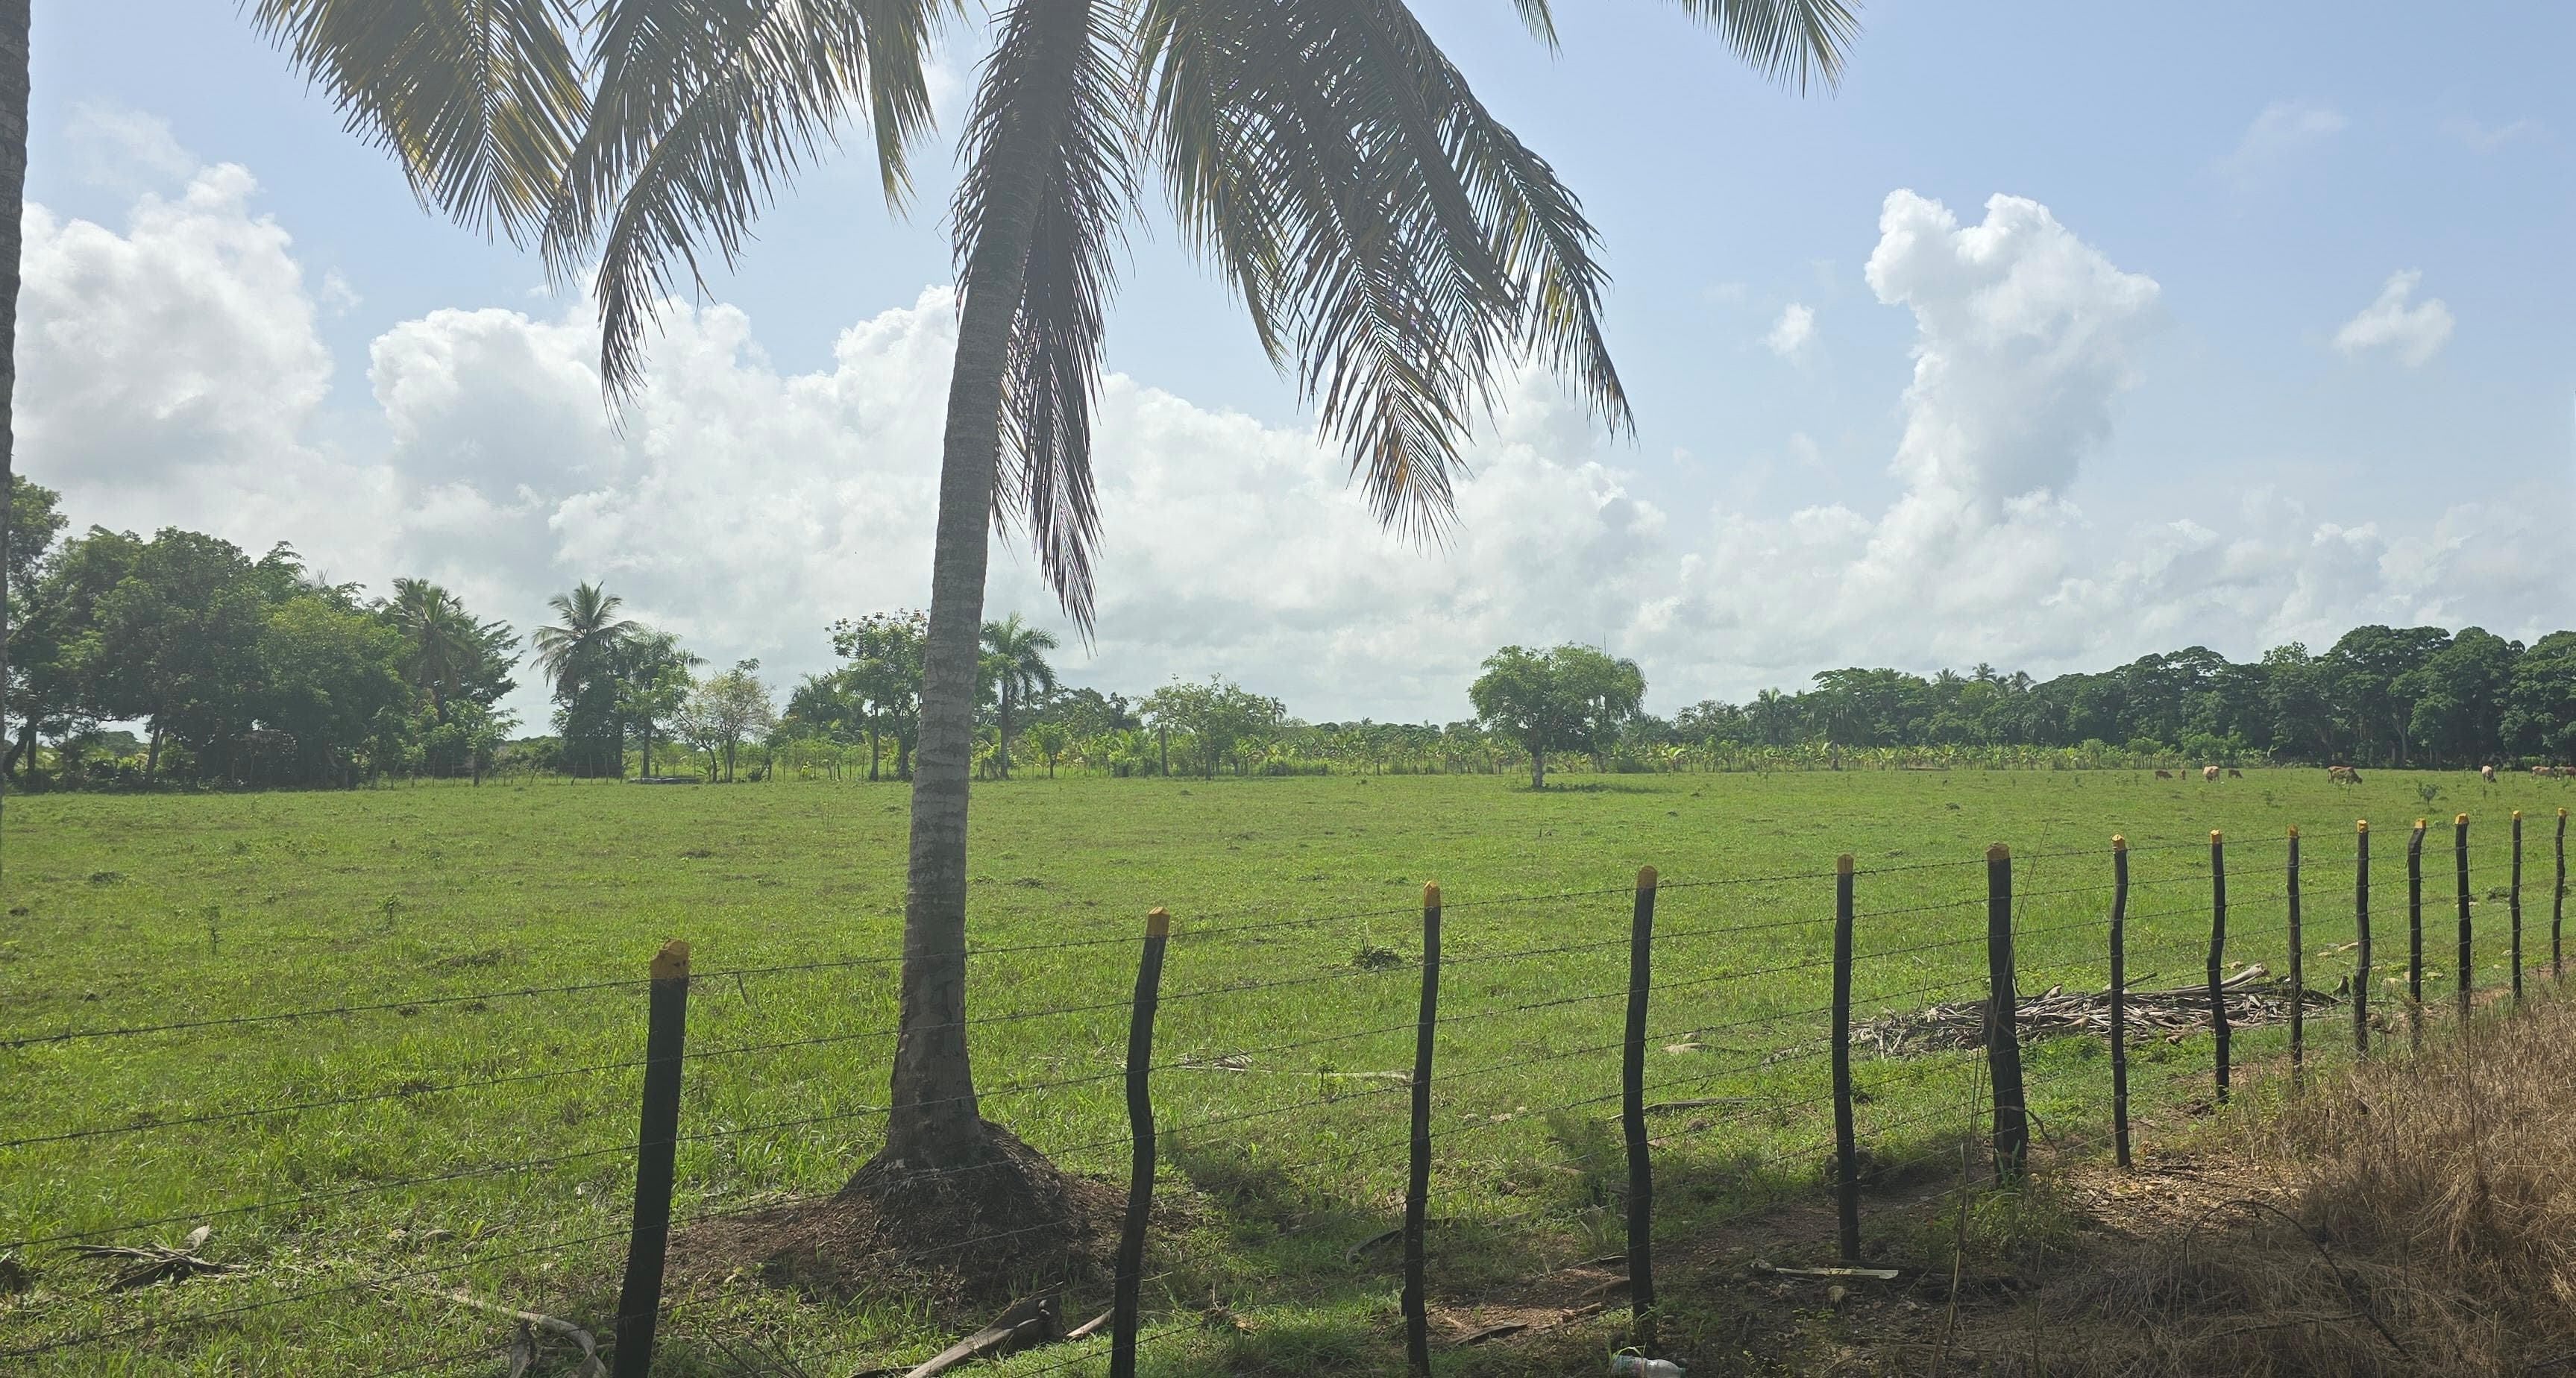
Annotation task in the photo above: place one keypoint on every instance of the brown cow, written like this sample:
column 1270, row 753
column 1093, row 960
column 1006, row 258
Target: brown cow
column 2234, row 774
column 2209, row 775
column 2541, row 772
column 2164, row 775
column 2342, row 775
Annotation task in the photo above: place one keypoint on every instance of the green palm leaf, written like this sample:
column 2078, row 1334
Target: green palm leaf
column 1056, row 100
column 706, row 107
column 1390, row 239
column 477, row 99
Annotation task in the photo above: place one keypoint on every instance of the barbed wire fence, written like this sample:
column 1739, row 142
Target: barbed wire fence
column 1874, row 1038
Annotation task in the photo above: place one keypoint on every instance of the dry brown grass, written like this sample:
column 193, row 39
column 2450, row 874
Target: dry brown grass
column 2415, row 1215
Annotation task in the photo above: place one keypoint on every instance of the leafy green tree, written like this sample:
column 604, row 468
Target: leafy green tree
column 2369, row 670
column 2457, row 697
column 1015, row 663
column 1572, row 698
column 1050, row 739
column 327, row 670
column 175, row 643
column 2539, row 718
column 581, row 655
column 726, row 710
column 652, row 685
column 884, row 675
column 34, row 523
column 1213, row 718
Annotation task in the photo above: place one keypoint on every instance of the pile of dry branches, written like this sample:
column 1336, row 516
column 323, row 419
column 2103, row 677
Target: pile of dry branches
column 2253, row 997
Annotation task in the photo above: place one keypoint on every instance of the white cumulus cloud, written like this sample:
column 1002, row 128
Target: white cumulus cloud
column 173, row 373
column 2414, row 332
column 1794, row 331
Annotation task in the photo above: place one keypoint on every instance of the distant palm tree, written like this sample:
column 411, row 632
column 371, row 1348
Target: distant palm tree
column 442, row 643
column 1015, row 659
column 582, row 652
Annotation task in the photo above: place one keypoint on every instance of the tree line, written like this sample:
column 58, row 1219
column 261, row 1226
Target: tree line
column 180, row 658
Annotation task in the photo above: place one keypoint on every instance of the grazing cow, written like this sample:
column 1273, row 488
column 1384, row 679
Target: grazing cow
column 2234, row 774
column 2541, row 772
column 2342, row 775
column 2209, row 775
column 2164, row 775
column 2487, row 773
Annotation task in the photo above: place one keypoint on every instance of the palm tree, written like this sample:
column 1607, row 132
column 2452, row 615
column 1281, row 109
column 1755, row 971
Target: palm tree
column 582, row 654
column 1395, row 247
column 446, row 653
column 1015, row 660
column 438, row 639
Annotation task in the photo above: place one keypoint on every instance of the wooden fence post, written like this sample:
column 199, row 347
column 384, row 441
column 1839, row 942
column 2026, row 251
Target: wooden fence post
column 2218, row 953
column 2558, row 899
column 2298, row 972
column 2460, row 865
column 1140, row 1133
column 2415, row 938
column 1417, row 1187
column 2120, row 999
column 1846, row 1144
column 2361, row 932
column 639, row 1295
column 2003, row 1008
column 1632, row 1115
column 2513, row 902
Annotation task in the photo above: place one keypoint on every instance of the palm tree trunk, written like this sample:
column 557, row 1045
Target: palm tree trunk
column 933, row 1119
column 13, row 202
column 1538, row 769
column 1002, row 749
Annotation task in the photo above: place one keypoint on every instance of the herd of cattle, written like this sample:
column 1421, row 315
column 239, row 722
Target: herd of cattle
column 2346, row 775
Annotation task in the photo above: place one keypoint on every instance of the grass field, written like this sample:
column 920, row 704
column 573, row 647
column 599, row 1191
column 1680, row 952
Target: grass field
column 1291, row 984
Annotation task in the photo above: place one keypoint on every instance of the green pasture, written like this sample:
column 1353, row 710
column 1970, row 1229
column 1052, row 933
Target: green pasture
column 1288, row 1004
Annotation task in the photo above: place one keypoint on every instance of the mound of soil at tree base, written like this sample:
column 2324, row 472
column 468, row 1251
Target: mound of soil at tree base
column 1009, row 1226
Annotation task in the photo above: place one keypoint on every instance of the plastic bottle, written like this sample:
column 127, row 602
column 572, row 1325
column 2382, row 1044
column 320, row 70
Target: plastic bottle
column 1638, row 1366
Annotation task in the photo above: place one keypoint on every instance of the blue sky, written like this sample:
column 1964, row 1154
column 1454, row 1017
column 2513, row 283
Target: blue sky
column 2274, row 339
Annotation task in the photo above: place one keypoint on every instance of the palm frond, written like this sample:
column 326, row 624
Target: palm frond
column 1059, row 89
column 706, row 107
column 1390, row 238
column 479, row 100
column 1794, row 42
